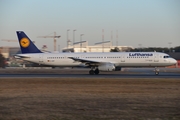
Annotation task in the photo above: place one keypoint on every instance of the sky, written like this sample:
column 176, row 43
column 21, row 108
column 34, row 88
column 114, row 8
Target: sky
column 145, row 23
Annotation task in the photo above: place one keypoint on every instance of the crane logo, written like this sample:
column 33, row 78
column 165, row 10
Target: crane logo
column 24, row 42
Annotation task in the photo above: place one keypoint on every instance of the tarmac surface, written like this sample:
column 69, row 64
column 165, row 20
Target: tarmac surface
column 83, row 73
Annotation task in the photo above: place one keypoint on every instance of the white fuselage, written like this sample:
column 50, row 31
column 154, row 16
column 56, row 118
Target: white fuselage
column 121, row 59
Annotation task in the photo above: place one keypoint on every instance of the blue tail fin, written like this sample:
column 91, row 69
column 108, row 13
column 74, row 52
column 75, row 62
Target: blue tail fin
column 27, row 46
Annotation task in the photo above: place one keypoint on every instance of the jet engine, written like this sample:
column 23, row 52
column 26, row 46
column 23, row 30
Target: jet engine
column 106, row 67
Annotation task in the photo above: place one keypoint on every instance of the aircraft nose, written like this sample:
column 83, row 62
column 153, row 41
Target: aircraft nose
column 173, row 61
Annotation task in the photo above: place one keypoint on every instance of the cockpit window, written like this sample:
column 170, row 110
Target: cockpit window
column 166, row 56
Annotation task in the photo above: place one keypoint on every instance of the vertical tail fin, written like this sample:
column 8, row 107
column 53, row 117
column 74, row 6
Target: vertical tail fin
column 27, row 46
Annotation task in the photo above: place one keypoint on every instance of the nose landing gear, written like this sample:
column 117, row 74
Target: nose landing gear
column 156, row 71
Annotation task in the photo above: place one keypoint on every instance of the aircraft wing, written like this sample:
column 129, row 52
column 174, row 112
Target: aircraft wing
column 88, row 62
column 20, row 56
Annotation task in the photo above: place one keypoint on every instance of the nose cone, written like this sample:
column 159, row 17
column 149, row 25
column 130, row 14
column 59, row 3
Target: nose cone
column 173, row 61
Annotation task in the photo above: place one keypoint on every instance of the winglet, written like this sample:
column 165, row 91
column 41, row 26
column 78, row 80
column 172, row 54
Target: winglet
column 26, row 45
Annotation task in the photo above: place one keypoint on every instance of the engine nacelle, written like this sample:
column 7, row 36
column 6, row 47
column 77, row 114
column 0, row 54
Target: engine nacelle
column 106, row 67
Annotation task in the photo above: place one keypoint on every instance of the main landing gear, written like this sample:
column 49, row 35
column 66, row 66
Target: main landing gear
column 156, row 71
column 92, row 72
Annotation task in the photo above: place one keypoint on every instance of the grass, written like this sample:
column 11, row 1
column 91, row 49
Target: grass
column 89, row 99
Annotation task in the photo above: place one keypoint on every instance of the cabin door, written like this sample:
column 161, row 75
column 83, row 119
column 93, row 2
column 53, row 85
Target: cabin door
column 123, row 58
column 156, row 58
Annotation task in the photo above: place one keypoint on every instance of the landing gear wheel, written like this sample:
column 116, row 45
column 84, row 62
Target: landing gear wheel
column 96, row 71
column 156, row 73
column 91, row 72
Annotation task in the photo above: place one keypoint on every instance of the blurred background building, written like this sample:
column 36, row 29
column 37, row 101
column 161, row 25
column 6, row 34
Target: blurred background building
column 97, row 47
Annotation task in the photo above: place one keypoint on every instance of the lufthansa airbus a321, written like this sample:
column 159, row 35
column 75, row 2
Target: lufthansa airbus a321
column 95, row 61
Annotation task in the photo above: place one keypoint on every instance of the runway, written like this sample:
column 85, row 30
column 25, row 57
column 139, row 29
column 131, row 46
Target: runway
column 83, row 73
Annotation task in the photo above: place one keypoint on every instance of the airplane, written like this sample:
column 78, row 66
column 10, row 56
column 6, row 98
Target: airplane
column 97, row 62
